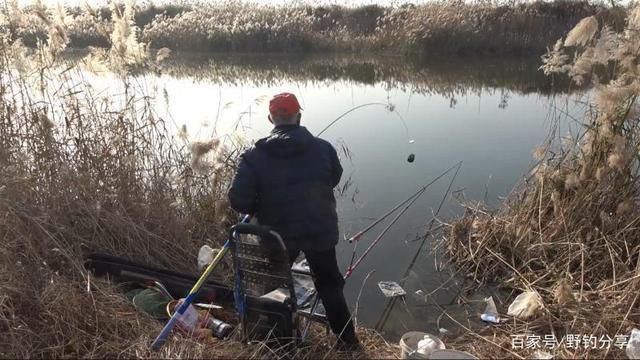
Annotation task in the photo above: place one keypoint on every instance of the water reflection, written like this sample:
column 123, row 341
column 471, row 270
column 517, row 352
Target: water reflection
column 487, row 113
column 450, row 78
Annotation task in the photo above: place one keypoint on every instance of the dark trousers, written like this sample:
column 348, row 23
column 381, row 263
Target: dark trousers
column 330, row 284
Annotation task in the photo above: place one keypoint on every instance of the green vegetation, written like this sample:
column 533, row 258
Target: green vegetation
column 439, row 27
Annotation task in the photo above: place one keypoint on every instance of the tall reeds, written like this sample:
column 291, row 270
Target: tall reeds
column 83, row 171
column 438, row 27
column 571, row 232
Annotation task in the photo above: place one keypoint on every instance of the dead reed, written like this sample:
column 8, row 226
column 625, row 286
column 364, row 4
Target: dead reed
column 435, row 27
column 571, row 231
column 83, row 171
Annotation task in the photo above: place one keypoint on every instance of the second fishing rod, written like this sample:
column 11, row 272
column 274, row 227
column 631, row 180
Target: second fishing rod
column 407, row 203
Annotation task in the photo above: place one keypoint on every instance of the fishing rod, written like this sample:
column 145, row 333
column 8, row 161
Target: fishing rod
column 356, row 237
column 389, row 106
column 411, row 199
column 359, row 234
column 353, row 265
column 387, row 310
column 346, row 113
column 186, row 303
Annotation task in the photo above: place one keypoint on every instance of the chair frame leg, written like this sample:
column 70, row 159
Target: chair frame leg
column 307, row 325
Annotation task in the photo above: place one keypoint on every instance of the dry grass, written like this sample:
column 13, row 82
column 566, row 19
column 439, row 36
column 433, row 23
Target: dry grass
column 86, row 172
column 571, row 232
column 438, row 27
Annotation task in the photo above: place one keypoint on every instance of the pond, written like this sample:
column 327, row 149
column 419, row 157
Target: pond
column 488, row 114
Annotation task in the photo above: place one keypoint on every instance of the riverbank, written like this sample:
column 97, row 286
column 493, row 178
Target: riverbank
column 433, row 28
column 87, row 171
column 568, row 235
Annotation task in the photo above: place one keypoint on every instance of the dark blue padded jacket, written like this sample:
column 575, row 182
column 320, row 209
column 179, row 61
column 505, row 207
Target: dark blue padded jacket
column 286, row 180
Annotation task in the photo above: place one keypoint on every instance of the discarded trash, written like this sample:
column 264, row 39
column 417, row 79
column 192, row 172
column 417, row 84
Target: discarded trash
column 443, row 331
column 188, row 321
column 391, row 289
column 525, row 305
column 208, row 306
column 490, row 313
column 219, row 328
column 205, row 256
column 491, row 318
column 633, row 346
column 304, row 289
column 411, row 141
column 541, row 355
column 278, row 295
column 491, row 308
column 410, row 345
column 199, row 323
column 421, row 296
column 429, row 344
column 411, row 158
column 302, row 265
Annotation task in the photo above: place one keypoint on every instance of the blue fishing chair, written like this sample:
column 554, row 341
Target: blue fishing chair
column 261, row 266
column 264, row 291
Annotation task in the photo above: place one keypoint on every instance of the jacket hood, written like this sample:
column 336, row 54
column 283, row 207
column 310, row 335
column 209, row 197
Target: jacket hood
column 286, row 140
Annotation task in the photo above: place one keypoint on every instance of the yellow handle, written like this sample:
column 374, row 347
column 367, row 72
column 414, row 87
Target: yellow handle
column 209, row 269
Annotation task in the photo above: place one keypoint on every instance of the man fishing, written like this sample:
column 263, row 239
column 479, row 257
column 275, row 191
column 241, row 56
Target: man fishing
column 286, row 180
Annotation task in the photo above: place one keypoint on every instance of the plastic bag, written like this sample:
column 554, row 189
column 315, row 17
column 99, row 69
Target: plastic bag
column 205, row 256
column 391, row 289
column 525, row 305
column 633, row 346
column 490, row 313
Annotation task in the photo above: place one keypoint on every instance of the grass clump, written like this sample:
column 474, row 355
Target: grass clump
column 571, row 232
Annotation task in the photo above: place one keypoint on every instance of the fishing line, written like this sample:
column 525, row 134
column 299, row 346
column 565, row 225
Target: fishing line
column 387, row 310
column 346, row 113
column 388, row 106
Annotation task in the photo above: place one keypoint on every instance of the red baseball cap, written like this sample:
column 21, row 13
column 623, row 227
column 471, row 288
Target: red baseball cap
column 284, row 104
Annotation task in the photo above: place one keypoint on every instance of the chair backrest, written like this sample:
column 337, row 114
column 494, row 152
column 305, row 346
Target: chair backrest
column 261, row 265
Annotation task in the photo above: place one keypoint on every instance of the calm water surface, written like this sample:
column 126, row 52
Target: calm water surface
column 488, row 114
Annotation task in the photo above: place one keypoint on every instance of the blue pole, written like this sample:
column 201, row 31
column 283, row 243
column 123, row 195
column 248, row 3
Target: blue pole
column 166, row 330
